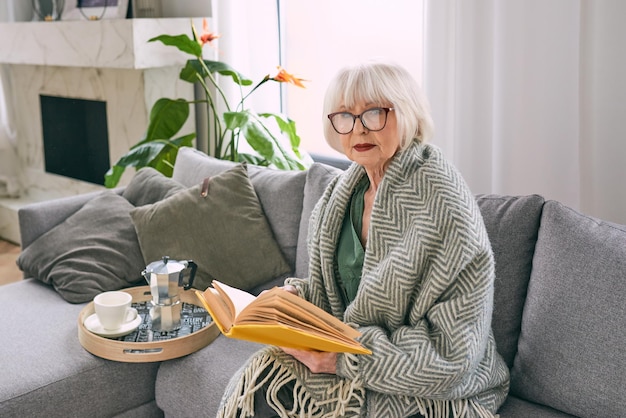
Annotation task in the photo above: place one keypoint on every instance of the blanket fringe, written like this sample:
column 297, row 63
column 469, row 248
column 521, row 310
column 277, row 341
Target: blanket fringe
column 340, row 400
column 345, row 398
column 341, row 395
column 243, row 394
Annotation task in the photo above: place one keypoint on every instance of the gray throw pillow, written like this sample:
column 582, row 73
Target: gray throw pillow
column 225, row 233
column 574, row 319
column 92, row 251
column 512, row 223
column 149, row 186
column 318, row 177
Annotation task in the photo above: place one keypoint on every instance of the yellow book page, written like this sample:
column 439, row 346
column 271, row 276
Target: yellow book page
column 296, row 306
column 273, row 316
column 320, row 317
column 218, row 309
column 283, row 336
column 237, row 299
column 289, row 312
column 279, row 318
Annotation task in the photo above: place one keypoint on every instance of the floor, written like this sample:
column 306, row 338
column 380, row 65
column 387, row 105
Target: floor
column 8, row 269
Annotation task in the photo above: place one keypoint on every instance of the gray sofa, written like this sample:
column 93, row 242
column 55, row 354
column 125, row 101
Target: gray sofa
column 559, row 313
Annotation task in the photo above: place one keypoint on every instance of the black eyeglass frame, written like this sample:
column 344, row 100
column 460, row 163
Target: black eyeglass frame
column 354, row 117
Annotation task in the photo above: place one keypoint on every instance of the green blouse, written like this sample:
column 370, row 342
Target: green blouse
column 350, row 251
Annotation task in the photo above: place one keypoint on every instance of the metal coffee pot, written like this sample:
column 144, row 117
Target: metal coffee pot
column 165, row 278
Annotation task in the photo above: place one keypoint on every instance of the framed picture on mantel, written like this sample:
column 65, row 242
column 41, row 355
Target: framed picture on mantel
column 94, row 9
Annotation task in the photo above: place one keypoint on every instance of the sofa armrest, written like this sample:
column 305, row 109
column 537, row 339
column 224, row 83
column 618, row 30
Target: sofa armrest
column 38, row 218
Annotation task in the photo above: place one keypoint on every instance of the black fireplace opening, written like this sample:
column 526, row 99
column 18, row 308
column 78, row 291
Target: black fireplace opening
column 75, row 138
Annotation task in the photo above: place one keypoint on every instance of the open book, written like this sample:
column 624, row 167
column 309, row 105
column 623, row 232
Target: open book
column 279, row 318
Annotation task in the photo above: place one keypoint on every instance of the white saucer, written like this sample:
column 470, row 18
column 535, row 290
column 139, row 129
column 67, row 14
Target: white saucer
column 92, row 323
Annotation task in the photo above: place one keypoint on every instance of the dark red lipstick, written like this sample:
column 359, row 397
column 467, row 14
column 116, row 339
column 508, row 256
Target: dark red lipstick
column 363, row 147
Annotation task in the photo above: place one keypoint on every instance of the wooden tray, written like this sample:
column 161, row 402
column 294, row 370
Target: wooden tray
column 166, row 348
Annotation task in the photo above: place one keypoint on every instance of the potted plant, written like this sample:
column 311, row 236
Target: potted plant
column 264, row 132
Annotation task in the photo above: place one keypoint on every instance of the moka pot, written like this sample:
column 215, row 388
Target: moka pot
column 166, row 277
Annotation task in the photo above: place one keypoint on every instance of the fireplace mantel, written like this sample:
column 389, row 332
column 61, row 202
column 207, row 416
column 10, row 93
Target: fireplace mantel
column 107, row 43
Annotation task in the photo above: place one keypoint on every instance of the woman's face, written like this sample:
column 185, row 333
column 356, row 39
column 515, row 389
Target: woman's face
column 372, row 150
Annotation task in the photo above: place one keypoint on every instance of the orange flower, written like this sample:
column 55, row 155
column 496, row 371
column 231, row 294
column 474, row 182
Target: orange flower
column 284, row 77
column 207, row 37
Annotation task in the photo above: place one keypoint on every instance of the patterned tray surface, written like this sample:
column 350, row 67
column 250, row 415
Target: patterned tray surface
column 193, row 318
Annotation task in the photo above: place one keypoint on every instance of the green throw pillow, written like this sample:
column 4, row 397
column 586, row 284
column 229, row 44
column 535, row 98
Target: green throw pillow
column 225, row 233
column 92, row 251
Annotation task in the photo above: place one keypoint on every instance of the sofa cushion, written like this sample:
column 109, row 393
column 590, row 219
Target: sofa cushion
column 38, row 218
column 225, row 233
column 571, row 347
column 45, row 370
column 201, row 377
column 512, row 224
column 280, row 193
column 93, row 250
column 318, row 176
column 149, row 186
column 517, row 408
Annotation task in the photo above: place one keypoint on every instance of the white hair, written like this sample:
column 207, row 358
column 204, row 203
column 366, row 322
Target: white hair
column 380, row 83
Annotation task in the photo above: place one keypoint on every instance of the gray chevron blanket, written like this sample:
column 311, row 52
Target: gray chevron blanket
column 423, row 307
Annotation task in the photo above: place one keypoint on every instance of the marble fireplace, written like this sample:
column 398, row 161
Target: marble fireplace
column 107, row 66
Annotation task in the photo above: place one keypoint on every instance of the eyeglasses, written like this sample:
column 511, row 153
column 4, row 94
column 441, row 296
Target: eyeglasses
column 373, row 120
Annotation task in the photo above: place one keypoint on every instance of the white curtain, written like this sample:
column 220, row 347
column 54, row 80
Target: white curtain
column 249, row 42
column 10, row 183
column 527, row 97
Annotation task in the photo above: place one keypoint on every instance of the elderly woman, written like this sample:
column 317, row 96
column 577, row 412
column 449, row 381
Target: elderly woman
column 397, row 249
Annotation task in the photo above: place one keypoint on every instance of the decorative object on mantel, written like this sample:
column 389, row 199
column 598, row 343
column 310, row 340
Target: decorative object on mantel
column 95, row 9
column 147, row 8
column 48, row 10
column 264, row 132
column 93, row 17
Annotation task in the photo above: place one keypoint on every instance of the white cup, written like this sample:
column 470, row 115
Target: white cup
column 113, row 309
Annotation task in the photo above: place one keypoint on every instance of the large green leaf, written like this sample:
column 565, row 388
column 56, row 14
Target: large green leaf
column 142, row 155
column 139, row 156
column 253, row 131
column 184, row 141
column 167, row 117
column 113, row 175
column 164, row 162
column 262, row 140
column 193, row 67
column 288, row 127
column 284, row 159
column 182, row 42
column 160, row 154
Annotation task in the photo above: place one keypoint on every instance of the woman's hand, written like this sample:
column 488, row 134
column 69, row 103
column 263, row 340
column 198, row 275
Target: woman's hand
column 287, row 288
column 316, row 361
column 291, row 289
